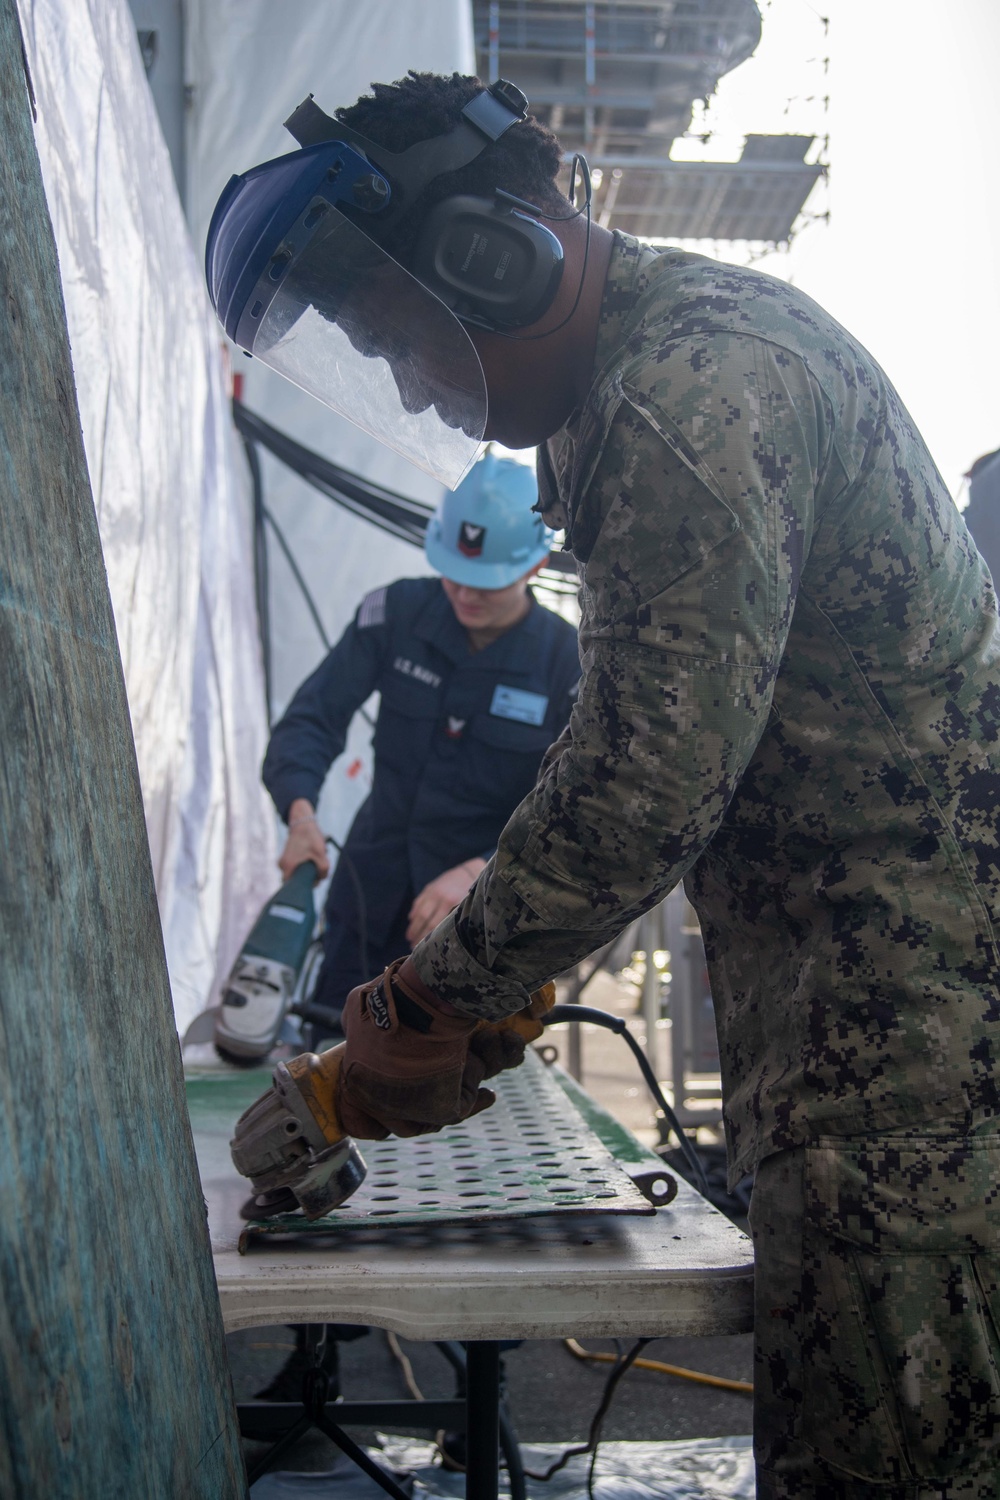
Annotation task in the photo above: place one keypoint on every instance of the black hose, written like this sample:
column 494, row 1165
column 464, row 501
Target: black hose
column 262, row 518
column 617, row 1024
column 297, row 575
column 310, row 602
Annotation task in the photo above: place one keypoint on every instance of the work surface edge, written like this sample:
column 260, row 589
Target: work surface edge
column 629, row 1306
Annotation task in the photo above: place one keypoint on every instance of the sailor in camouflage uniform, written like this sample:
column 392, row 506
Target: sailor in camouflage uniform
column 791, row 700
column 791, row 696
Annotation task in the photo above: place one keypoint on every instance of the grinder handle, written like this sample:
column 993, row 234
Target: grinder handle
column 317, row 1078
column 528, row 1023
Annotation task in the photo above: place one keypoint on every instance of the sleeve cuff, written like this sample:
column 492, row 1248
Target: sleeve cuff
column 284, row 799
column 447, row 967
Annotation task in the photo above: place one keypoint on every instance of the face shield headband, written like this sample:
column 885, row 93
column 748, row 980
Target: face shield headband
column 301, row 286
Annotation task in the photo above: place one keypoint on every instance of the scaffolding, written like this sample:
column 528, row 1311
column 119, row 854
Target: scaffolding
column 617, row 80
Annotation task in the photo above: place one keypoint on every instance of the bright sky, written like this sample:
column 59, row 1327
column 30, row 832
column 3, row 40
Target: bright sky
column 909, row 260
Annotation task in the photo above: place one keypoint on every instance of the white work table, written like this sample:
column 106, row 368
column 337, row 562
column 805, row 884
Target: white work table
column 684, row 1269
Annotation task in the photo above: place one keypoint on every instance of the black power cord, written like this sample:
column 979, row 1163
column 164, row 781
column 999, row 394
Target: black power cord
column 597, row 1421
column 578, row 1013
column 260, row 571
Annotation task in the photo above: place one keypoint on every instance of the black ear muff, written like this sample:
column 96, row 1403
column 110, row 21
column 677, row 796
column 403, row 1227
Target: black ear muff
column 491, row 265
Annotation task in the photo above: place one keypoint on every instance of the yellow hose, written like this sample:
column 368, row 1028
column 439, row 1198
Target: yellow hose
column 579, row 1352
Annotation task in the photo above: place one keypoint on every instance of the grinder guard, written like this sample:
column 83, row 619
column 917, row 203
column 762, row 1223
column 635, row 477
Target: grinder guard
column 279, row 1145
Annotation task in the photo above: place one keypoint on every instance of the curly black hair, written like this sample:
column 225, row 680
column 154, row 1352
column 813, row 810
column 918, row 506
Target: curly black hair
column 524, row 161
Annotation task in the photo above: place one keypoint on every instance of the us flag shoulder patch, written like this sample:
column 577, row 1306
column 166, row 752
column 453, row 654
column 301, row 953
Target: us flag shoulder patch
column 371, row 610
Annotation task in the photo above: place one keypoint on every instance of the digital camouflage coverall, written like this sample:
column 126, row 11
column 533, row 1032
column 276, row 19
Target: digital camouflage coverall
column 791, row 695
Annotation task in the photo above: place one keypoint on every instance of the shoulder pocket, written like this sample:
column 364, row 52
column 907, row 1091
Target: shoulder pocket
column 658, row 520
column 678, row 444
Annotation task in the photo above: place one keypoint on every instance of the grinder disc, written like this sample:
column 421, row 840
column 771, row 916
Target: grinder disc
column 328, row 1180
column 266, row 1205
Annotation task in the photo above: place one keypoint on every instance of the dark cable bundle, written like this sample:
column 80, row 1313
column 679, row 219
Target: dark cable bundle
column 392, row 512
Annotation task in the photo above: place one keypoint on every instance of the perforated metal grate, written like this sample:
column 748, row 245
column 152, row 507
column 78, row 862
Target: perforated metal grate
column 532, row 1153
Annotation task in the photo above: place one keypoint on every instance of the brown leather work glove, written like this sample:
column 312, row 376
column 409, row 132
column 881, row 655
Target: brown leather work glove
column 502, row 1044
column 407, row 1066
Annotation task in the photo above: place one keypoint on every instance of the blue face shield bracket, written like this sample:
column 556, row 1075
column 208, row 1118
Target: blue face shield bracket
column 299, row 276
column 328, row 176
column 335, row 170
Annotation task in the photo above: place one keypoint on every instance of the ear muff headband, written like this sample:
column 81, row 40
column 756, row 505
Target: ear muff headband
column 486, row 117
column 490, row 261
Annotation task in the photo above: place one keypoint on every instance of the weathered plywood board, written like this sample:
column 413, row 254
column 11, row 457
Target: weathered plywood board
column 113, row 1377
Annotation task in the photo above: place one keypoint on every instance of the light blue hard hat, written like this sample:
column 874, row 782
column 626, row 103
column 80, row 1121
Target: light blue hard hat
column 485, row 534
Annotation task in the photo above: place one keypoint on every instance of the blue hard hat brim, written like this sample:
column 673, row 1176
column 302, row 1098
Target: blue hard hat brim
column 475, row 574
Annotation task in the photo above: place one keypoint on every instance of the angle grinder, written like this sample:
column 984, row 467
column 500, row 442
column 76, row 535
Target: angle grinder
column 262, row 1001
column 291, row 1144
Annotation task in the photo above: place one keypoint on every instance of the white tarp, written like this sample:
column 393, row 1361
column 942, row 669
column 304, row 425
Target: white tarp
column 719, row 1468
column 168, row 478
column 249, row 63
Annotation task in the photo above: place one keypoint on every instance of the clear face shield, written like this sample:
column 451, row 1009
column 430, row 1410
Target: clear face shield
column 353, row 328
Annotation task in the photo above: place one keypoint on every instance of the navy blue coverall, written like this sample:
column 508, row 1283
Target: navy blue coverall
column 458, row 742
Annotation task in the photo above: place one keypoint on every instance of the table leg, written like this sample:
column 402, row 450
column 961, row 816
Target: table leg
column 482, row 1472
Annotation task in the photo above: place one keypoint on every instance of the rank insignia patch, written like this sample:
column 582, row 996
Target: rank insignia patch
column 471, row 539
